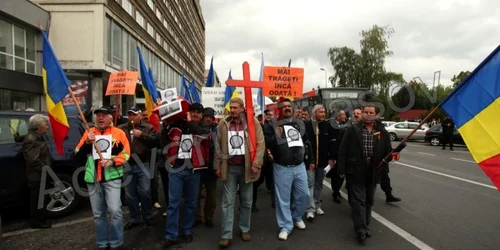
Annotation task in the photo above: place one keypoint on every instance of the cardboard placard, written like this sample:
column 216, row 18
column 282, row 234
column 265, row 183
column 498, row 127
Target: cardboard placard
column 122, row 83
column 170, row 109
column 283, row 81
column 169, row 95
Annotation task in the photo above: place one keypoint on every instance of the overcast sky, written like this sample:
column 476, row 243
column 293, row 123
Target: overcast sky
column 430, row 35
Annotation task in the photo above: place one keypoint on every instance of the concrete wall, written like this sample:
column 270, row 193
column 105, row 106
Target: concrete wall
column 25, row 11
column 76, row 33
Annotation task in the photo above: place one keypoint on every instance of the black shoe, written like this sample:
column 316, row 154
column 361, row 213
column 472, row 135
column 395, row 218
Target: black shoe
column 43, row 225
column 209, row 223
column 390, row 198
column 187, row 238
column 149, row 222
column 169, row 243
column 337, row 200
column 130, row 225
column 273, row 205
column 368, row 234
column 361, row 237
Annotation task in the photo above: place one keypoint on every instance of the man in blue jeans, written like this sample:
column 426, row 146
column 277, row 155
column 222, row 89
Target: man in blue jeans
column 187, row 151
column 286, row 137
column 137, row 180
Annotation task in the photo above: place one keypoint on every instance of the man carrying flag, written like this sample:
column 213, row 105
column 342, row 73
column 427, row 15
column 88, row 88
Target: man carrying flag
column 104, row 178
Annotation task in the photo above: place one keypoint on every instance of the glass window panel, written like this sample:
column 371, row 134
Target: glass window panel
column 108, row 40
column 30, row 46
column 5, row 37
column 19, row 44
column 30, row 67
column 127, row 6
column 6, row 61
column 117, row 43
column 20, row 65
column 139, row 18
column 133, row 53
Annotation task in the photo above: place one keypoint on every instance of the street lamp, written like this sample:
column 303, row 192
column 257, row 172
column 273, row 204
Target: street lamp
column 326, row 81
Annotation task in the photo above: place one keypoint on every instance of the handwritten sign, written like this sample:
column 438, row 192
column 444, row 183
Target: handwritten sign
column 122, row 83
column 214, row 97
column 283, row 81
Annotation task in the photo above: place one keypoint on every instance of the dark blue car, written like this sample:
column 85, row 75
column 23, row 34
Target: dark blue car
column 434, row 136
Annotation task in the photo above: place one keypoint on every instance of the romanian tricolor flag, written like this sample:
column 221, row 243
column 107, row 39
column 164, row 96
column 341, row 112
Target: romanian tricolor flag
column 474, row 106
column 150, row 92
column 56, row 86
column 230, row 93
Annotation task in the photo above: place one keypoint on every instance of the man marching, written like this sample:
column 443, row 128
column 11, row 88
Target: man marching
column 233, row 165
column 104, row 177
column 286, row 138
column 142, row 138
column 363, row 148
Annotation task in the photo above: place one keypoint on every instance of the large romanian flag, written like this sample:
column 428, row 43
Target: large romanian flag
column 150, row 93
column 474, row 106
column 56, row 86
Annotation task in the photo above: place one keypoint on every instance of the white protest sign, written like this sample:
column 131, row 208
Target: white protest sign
column 214, row 97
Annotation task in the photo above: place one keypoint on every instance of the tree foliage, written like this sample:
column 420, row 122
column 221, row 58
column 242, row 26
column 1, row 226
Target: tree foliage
column 457, row 79
column 366, row 68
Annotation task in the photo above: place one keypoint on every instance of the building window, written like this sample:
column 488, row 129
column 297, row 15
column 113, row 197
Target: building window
column 151, row 4
column 18, row 100
column 139, row 18
column 107, row 37
column 150, row 29
column 127, row 6
column 17, row 48
column 116, row 45
column 158, row 14
column 132, row 51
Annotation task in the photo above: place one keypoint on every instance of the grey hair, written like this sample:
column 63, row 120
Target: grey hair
column 38, row 120
column 316, row 108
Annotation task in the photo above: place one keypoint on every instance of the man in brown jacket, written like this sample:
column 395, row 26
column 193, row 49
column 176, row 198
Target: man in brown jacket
column 233, row 165
column 36, row 154
column 142, row 138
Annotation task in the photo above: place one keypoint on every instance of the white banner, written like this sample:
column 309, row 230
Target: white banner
column 213, row 97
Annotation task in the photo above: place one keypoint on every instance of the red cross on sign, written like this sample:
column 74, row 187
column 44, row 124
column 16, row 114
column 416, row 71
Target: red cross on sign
column 248, row 84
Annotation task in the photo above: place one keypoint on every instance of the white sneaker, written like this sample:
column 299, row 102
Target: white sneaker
column 320, row 211
column 283, row 235
column 300, row 225
column 165, row 214
column 310, row 216
column 157, row 205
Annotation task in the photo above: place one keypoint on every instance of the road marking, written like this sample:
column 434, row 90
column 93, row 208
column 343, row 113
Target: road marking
column 399, row 231
column 422, row 153
column 62, row 224
column 458, row 159
column 447, row 175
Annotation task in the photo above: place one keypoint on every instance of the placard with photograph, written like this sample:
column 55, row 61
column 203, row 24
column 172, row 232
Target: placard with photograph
column 169, row 95
column 170, row 109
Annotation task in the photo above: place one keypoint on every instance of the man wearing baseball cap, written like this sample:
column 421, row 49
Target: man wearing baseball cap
column 120, row 120
column 142, row 138
column 187, row 153
column 208, row 177
column 104, row 177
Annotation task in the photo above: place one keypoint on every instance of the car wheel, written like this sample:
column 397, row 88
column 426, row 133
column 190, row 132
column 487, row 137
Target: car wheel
column 62, row 200
column 435, row 141
column 393, row 137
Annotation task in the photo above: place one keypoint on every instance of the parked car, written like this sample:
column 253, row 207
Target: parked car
column 400, row 130
column 435, row 136
column 388, row 123
column 14, row 191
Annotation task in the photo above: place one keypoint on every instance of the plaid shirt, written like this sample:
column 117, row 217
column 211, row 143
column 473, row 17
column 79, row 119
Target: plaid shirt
column 368, row 142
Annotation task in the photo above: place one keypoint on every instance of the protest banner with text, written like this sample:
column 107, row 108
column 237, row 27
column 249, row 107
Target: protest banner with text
column 122, row 83
column 283, row 81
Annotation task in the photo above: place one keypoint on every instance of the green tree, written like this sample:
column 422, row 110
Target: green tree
column 457, row 79
column 365, row 69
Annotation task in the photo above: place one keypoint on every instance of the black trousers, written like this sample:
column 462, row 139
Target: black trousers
column 267, row 177
column 447, row 139
column 154, row 186
column 336, row 182
column 38, row 215
column 164, row 181
column 361, row 194
column 385, row 183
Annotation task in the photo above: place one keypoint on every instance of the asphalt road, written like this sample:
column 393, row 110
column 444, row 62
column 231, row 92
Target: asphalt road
column 447, row 203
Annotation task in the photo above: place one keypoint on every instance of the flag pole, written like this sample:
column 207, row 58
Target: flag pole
column 77, row 104
column 410, row 134
column 118, row 107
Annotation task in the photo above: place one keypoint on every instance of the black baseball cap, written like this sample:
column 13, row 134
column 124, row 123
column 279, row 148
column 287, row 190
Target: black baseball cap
column 209, row 112
column 196, row 106
column 103, row 110
column 134, row 110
